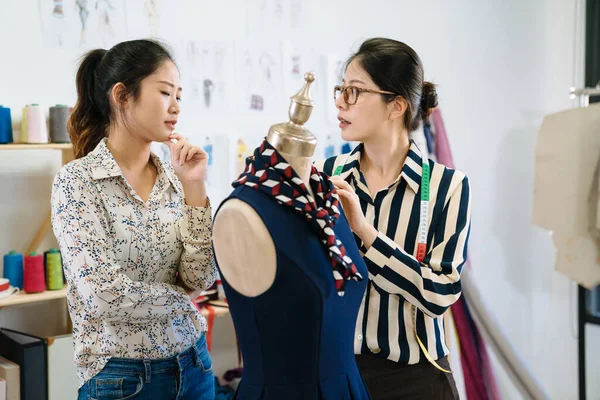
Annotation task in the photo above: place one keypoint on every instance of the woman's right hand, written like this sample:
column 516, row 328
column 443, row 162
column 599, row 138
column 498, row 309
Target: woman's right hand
column 351, row 206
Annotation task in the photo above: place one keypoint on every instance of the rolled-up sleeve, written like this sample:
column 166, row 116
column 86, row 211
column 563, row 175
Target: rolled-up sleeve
column 197, row 266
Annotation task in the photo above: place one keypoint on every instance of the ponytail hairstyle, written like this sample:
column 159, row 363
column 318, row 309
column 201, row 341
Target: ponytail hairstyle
column 100, row 70
column 395, row 67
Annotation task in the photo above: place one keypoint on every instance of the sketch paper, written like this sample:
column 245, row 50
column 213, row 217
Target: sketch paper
column 151, row 19
column 82, row 23
column 265, row 18
column 259, row 79
column 207, row 75
column 334, row 67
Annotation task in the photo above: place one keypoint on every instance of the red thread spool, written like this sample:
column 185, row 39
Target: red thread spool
column 33, row 273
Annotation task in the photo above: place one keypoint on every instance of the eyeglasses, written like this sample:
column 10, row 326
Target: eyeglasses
column 351, row 93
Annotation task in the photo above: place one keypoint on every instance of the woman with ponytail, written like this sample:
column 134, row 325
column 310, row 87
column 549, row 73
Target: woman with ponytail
column 134, row 231
column 411, row 218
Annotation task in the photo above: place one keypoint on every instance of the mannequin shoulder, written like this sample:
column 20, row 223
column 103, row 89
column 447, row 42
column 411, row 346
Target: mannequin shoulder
column 244, row 249
column 235, row 216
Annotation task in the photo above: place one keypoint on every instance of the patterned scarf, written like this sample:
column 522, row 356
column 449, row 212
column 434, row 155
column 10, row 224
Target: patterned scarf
column 268, row 172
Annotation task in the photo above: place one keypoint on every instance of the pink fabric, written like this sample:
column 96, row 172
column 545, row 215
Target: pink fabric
column 475, row 382
column 480, row 382
column 443, row 153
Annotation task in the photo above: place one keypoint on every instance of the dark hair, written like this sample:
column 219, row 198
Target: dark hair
column 128, row 63
column 395, row 67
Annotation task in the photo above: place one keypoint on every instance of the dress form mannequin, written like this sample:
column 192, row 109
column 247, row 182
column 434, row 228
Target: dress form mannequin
column 291, row 270
column 239, row 235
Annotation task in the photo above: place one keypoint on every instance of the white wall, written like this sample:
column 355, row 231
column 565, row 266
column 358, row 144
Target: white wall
column 500, row 66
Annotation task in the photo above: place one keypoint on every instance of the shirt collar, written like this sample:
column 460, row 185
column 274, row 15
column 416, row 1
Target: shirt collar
column 411, row 169
column 103, row 165
column 165, row 169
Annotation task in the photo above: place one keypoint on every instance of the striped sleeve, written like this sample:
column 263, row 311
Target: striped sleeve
column 433, row 285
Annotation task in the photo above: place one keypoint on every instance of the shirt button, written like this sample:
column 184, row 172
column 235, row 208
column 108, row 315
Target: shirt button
column 359, row 337
column 156, row 258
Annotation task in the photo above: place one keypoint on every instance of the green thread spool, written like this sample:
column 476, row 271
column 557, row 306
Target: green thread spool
column 24, row 126
column 54, row 276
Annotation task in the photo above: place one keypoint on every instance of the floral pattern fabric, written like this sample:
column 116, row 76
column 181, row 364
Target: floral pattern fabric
column 121, row 256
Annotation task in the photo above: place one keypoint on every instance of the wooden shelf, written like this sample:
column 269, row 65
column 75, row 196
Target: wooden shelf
column 41, row 146
column 25, row 298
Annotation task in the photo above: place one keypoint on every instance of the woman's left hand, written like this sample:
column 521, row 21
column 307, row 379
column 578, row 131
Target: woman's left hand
column 189, row 162
column 351, row 205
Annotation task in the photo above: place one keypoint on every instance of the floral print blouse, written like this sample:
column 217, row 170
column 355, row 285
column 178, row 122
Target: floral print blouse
column 120, row 257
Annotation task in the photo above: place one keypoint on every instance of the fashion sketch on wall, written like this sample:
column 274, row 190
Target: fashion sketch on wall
column 208, row 75
column 82, row 23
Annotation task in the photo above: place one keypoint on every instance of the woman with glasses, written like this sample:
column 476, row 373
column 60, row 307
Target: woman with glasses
column 411, row 218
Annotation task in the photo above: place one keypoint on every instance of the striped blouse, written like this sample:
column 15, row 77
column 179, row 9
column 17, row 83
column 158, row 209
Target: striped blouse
column 400, row 286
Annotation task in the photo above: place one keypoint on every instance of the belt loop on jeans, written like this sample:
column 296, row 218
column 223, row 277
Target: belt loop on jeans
column 196, row 350
column 148, row 370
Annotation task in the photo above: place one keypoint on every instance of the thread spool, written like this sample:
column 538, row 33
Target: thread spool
column 13, row 268
column 59, row 115
column 37, row 131
column 23, row 136
column 53, row 263
column 6, row 132
column 33, row 273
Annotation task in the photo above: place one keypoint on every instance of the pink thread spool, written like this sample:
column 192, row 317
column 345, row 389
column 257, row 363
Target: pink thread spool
column 33, row 273
column 37, row 129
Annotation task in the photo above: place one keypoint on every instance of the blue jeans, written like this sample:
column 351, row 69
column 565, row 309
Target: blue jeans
column 186, row 376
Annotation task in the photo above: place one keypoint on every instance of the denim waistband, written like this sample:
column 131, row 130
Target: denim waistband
column 147, row 366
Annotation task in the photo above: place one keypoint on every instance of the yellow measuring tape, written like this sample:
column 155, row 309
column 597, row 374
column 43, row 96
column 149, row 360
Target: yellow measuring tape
column 422, row 346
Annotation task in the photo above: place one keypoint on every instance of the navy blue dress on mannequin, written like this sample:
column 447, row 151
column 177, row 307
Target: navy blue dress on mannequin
column 297, row 338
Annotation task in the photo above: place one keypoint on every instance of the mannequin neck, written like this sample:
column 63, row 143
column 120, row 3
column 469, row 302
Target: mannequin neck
column 302, row 166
